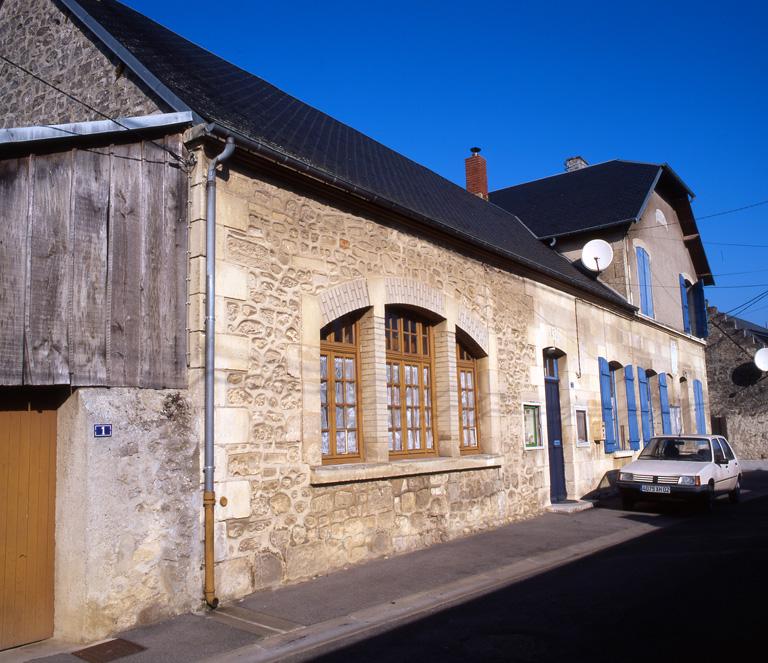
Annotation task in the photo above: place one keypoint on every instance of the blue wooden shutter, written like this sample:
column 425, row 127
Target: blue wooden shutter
column 702, row 328
column 666, row 420
column 644, row 279
column 649, row 285
column 605, row 397
column 641, row 280
column 684, row 300
column 645, row 406
column 629, row 382
column 698, row 400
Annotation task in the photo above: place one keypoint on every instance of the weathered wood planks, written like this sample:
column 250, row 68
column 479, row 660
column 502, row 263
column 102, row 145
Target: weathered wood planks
column 93, row 267
column 88, row 322
column 14, row 194
column 125, row 260
column 174, row 323
column 50, row 264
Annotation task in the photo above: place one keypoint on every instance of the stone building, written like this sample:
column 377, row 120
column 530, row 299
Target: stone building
column 398, row 362
column 739, row 390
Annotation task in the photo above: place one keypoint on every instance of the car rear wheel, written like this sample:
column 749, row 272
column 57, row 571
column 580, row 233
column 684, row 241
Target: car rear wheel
column 735, row 494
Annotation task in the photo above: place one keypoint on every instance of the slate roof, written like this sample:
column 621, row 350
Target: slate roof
column 607, row 195
column 231, row 97
column 760, row 333
column 600, row 196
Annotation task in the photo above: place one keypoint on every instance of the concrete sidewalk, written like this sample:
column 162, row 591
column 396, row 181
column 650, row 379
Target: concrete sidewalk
column 301, row 621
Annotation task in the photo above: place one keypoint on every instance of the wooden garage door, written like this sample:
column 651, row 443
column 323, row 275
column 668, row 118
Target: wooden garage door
column 27, row 509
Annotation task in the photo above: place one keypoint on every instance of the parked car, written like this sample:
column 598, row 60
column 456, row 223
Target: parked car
column 682, row 467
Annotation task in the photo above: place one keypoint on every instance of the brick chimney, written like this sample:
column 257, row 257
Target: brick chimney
column 575, row 163
column 477, row 174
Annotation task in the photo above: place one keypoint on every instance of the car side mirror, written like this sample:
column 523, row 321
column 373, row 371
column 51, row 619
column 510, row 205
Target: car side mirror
column 722, row 461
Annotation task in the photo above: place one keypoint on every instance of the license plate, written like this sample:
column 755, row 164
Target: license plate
column 655, row 489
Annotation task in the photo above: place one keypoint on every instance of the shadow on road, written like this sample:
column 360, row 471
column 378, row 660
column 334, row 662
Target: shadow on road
column 695, row 590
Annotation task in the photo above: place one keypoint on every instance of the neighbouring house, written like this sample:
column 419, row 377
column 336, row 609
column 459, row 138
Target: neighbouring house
column 738, row 388
column 398, row 362
column 644, row 212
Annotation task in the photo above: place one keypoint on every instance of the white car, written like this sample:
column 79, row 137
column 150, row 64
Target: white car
column 688, row 467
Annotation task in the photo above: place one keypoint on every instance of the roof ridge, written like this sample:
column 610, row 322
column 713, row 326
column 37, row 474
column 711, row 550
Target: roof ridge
column 578, row 170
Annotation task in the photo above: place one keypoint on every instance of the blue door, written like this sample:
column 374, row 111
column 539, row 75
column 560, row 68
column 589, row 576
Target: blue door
column 554, row 431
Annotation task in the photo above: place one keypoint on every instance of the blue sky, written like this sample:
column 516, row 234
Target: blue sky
column 532, row 83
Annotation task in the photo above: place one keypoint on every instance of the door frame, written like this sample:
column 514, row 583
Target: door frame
column 558, row 487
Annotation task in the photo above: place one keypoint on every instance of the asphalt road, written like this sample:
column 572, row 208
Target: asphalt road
column 696, row 590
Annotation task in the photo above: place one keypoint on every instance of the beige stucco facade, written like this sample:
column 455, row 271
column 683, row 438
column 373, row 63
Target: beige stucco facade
column 658, row 231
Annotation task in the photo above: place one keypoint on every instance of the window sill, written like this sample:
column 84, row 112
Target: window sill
column 623, row 453
column 329, row 474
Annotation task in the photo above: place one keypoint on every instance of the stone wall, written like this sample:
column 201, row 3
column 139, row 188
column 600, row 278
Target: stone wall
column 735, row 391
column 128, row 539
column 38, row 36
column 277, row 248
column 287, row 262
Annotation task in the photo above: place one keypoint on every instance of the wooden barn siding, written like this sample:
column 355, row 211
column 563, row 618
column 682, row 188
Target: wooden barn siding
column 93, row 267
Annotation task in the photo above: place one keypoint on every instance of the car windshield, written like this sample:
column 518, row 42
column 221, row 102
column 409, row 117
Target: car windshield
column 678, row 448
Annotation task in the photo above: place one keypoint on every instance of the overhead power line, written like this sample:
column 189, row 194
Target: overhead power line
column 731, row 211
column 72, row 97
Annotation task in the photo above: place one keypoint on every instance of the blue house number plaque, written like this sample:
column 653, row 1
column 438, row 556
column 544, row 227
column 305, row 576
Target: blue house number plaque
column 102, row 430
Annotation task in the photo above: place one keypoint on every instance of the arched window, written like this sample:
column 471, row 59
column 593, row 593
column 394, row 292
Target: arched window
column 466, row 367
column 410, row 383
column 339, row 390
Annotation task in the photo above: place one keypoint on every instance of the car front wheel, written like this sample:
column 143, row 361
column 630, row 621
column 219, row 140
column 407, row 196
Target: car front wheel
column 708, row 500
column 735, row 494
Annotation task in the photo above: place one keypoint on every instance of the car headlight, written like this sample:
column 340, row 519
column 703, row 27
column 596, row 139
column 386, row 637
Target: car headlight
column 690, row 481
column 626, row 476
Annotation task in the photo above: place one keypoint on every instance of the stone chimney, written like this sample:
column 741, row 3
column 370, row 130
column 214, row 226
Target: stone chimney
column 575, row 163
column 477, row 174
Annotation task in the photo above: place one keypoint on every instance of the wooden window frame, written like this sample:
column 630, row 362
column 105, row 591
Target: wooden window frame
column 467, row 364
column 333, row 350
column 540, row 427
column 399, row 358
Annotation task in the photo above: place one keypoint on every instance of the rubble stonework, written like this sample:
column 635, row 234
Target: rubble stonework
column 36, row 35
column 285, row 247
column 734, row 390
column 279, row 248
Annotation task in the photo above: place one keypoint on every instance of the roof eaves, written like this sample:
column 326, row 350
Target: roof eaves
column 130, row 61
column 79, row 130
column 581, row 231
column 665, row 166
column 219, row 130
column 648, row 195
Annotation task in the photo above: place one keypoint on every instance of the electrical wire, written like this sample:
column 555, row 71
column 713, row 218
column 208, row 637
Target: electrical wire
column 731, row 211
column 72, row 97
column 753, row 300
